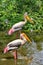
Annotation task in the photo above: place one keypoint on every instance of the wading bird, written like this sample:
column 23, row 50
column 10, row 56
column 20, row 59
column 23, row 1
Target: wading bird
column 14, row 45
column 19, row 25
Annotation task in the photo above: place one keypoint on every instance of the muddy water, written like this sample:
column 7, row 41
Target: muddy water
column 28, row 54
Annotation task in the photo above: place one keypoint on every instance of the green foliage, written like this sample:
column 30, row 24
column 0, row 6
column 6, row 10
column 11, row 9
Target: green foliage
column 11, row 12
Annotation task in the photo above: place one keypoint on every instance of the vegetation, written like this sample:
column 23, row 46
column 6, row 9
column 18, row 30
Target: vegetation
column 11, row 12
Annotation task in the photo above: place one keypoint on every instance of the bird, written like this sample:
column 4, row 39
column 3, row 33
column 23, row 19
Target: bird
column 19, row 25
column 15, row 44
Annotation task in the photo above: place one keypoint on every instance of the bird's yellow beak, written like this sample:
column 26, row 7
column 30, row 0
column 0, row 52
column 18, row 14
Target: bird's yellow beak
column 27, row 38
column 29, row 19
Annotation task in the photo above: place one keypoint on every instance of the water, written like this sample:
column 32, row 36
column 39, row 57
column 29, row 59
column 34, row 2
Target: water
column 29, row 54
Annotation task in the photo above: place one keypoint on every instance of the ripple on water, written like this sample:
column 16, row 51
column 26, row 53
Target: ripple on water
column 37, row 58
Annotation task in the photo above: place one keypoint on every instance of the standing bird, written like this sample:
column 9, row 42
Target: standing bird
column 14, row 45
column 19, row 25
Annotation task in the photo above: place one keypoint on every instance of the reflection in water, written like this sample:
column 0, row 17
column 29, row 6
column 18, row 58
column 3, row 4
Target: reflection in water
column 31, row 56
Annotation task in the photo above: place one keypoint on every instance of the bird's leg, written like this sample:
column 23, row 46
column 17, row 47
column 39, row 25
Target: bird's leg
column 18, row 34
column 15, row 54
column 19, row 31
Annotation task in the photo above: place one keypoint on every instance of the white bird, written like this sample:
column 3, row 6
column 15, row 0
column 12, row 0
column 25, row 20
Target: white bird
column 14, row 45
column 19, row 25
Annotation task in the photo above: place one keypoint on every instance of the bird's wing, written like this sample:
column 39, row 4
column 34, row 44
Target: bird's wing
column 18, row 25
column 12, row 48
column 15, row 43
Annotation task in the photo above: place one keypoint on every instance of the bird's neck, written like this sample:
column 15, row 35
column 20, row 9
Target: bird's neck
column 25, row 20
column 24, row 39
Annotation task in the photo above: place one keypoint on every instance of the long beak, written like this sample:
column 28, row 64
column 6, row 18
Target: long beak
column 27, row 38
column 29, row 19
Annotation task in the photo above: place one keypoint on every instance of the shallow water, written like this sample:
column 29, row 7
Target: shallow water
column 29, row 54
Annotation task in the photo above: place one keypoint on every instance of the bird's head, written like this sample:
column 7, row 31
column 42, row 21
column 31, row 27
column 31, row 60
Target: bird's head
column 5, row 49
column 23, row 35
column 10, row 31
column 28, row 18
